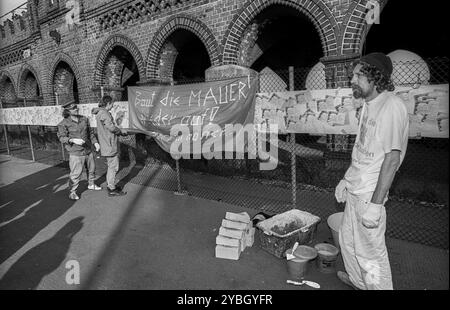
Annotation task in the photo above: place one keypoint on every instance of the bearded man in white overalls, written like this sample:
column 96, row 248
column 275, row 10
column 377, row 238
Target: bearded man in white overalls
column 379, row 149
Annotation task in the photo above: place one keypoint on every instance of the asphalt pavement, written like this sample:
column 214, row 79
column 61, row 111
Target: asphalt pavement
column 151, row 239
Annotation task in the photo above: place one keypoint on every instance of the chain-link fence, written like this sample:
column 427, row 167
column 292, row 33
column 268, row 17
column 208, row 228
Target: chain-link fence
column 309, row 166
column 418, row 205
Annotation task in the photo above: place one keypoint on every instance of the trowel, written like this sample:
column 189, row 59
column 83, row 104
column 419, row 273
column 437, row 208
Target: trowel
column 291, row 256
column 309, row 283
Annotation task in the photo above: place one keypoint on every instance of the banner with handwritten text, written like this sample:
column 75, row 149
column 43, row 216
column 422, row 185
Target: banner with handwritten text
column 154, row 110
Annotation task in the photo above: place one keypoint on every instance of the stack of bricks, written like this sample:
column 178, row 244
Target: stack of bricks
column 235, row 234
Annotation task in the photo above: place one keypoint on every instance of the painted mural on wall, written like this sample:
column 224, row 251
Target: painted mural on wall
column 335, row 111
column 51, row 115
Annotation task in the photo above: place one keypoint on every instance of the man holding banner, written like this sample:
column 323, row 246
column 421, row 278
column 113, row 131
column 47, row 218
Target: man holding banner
column 74, row 132
column 378, row 152
column 108, row 133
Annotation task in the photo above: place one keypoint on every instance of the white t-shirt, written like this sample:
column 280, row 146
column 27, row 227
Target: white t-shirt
column 383, row 127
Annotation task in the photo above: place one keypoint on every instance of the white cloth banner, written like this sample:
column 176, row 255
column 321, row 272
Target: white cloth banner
column 51, row 115
column 335, row 111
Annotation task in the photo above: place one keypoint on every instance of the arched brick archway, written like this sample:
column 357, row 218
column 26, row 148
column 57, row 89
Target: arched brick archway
column 7, row 88
column 23, row 83
column 180, row 22
column 108, row 46
column 4, row 75
column 317, row 12
column 61, row 58
column 355, row 27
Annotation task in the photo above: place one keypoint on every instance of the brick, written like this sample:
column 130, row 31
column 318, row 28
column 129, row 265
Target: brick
column 234, row 225
column 231, row 233
column 222, row 240
column 227, row 252
column 239, row 217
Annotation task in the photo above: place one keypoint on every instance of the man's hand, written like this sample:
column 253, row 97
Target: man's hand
column 97, row 147
column 123, row 132
column 341, row 191
column 371, row 218
column 76, row 141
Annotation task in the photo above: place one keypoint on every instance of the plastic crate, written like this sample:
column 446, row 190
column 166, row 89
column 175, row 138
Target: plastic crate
column 277, row 244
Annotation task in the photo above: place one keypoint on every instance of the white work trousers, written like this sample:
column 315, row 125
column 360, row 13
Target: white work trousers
column 364, row 249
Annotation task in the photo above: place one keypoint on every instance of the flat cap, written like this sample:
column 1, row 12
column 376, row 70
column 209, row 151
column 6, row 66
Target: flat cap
column 69, row 105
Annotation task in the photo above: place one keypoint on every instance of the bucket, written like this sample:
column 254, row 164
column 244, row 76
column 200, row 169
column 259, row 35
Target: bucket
column 327, row 256
column 334, row 221
column 298, row 266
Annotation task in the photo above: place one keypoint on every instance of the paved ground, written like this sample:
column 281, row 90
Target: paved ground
column 150, row 239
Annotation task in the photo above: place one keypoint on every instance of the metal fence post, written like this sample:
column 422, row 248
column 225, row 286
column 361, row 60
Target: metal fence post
column 6, row 140
column 293, row 156
column 31, row 143
column 29, row 134
column 6, row 133
column 179, row 191
column 62, row 145
column 62, row 152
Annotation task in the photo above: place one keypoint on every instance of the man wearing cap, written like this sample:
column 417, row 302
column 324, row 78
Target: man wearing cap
column 74, row 132
column 378, row 152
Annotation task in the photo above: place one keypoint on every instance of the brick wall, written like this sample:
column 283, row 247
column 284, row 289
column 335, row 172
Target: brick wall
column 30, row 86
column 167, row 61
column 7, row 91
column 144, row 29
column 63, row 84
column 113, row 71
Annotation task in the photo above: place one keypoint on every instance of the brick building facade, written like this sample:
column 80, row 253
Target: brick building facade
column 79, row 48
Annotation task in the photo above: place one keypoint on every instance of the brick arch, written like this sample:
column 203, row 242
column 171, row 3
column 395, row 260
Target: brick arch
column 180, row 22
column 3, row 76
column 110, row 43
column 319, row 14
column 355, row 28
column 62, row 57
column 22, row 75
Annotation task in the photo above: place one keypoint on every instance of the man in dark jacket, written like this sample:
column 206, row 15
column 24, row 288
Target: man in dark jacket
column 108, row 133
column 74, row 132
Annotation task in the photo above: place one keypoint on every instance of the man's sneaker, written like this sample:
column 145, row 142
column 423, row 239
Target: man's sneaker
column 94, row 187
column 116, row 192
column 73, row 196
column 343, row 276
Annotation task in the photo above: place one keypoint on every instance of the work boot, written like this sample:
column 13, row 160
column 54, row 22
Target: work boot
column 116, row 192
column 94, row 187
column 343, row 276
column 73, row 196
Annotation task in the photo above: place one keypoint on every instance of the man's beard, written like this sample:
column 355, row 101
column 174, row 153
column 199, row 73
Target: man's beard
column 358, row 92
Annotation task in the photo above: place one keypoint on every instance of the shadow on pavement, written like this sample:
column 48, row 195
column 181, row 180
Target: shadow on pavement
column 133, row 172
column 114, row 237
column 28, row 205
column 4, row 161
column 127, row 171
column 41, row 260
